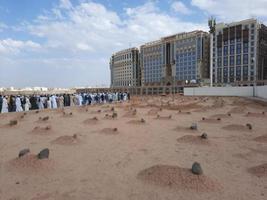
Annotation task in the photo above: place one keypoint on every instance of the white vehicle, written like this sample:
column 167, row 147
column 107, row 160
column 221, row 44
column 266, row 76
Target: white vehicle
column 193, row 81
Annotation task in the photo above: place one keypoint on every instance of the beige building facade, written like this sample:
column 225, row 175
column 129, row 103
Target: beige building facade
column 125, row 68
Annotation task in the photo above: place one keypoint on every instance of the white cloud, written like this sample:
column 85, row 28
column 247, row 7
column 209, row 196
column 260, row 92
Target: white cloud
column 180, row 7
column 147, row 22
column 84, row 47
column 88, row 34
column 15, row 46
column 229, row 10
column 66, row 4
column 91, row 26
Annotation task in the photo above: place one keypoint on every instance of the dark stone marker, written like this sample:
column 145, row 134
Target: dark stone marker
column 193, row 126
column 196, row 169
column 46, row 118
column 23, row 152
column 204, row 136
column 114, row 115
column 249, row 126
column 13, row 122
column 43, row 154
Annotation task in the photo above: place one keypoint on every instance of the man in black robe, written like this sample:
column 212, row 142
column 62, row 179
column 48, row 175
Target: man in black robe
column 68, row 100
column 33, row 101
column 1, row 103
column 65, row 100
column 12, row 104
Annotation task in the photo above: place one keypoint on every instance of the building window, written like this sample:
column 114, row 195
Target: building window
column 225, row 71
column 238, row 59
column 245, row 73
column 232, row 49
column 219, row 62
column 238, row 48
column 232, row 74
column 245, row 47
column 219, row 75
column 232, row 60
column 219, row 52
column 238, row 73
column 245, row 59
column 225, row 50
column 225, row 61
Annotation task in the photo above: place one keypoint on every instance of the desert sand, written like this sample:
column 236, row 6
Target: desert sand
column 144, row 151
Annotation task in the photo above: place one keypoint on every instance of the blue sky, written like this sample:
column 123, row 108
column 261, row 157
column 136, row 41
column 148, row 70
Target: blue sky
column 67, row 43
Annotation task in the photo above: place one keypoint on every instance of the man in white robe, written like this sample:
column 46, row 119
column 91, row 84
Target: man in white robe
column 27, row 104
column 49, row 104
column 54, row 102
column 18, row 104
column 124, row 97
column 4, row 106
column 80, row 100
column 41, row 103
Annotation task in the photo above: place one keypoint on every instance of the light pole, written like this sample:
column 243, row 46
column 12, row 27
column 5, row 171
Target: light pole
column 212, row 26
column 262, row 63
column 211, row 60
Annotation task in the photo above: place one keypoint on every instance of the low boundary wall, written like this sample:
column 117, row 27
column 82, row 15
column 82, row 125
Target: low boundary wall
column 261, row 91
column 145, row 90
column 250, row 91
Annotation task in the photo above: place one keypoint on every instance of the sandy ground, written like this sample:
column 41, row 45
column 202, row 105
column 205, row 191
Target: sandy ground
column 144, row 152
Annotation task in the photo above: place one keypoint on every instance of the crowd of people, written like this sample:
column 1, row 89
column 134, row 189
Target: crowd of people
column 34, row 102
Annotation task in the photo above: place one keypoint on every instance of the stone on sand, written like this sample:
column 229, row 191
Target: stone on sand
column 204, row 136
column 45, row 118
column 13, row 122
column 43, row 154
column 193, row 126
column 114, row 115
column 196, row 169
column 249, row 126
column 142, row 120
column 23, row 152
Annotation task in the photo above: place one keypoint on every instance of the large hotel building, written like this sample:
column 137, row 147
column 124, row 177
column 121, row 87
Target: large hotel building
column 125, row 68
column 230, row 53
column 175, row 59
column 239, row 52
